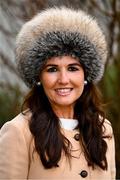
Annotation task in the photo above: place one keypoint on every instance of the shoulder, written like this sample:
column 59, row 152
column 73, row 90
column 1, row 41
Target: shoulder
column 21, row 122
column 107, row 128
column 15, row 144
column 17, row 127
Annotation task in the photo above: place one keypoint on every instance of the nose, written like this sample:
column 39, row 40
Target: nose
column 63, row 77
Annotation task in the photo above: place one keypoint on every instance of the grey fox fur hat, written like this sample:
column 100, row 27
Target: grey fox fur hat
column 57, row 32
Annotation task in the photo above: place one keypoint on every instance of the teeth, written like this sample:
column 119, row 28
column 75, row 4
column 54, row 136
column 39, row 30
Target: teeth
column 63, row 92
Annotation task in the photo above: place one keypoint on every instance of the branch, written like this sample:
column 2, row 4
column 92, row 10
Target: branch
column 8, row 63
column 111, row 14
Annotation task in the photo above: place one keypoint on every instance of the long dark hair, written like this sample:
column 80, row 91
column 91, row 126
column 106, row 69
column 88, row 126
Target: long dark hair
column 45, row 128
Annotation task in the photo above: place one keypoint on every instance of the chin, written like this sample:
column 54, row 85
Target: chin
column 65, row 104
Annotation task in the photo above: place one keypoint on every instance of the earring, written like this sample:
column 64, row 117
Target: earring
column 85, row 82
column 38, row 83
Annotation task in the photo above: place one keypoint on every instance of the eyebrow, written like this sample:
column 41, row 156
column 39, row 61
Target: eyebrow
column 55, row 65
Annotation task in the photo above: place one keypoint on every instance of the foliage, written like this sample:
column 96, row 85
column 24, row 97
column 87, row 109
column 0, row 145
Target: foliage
column 10, row 101
column 110, row 87
column 14, row 13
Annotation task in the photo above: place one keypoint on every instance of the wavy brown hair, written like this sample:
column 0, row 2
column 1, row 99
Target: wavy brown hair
column 45, row 128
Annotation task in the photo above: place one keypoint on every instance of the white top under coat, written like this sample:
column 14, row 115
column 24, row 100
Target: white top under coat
column 68, row 124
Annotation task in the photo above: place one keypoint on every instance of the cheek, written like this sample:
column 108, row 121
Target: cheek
column 80, row 85
column 47, row 81
column 47, row 87
column 80, row 81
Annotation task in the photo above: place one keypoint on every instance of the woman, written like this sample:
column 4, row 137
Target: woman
column 62, row 132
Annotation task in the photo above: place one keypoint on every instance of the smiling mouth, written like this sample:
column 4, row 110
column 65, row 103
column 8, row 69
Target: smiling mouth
column 63, row 91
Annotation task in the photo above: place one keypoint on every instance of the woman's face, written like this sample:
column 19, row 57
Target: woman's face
column 63, row 81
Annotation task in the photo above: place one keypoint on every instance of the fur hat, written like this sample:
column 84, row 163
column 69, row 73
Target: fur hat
column 56, row 32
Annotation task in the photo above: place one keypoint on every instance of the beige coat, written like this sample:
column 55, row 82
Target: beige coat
column 17, row 161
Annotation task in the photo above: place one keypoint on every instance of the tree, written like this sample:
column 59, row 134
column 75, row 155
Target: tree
column 14, row 13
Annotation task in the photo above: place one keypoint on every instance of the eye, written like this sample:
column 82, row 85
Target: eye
column 52, row 69
column 73, row 68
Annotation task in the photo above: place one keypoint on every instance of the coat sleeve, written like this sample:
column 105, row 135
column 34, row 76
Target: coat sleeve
column 113, row 166
column 111, row 149
column 14, row 156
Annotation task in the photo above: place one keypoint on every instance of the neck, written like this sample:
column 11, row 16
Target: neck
column 64, row 112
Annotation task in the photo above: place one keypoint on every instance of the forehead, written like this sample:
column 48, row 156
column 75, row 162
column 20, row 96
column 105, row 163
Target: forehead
column 63, row 60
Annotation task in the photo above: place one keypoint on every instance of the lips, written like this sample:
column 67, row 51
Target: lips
column 63, row 91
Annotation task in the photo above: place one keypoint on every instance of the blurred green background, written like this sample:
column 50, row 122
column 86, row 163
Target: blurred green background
column 14, row 13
